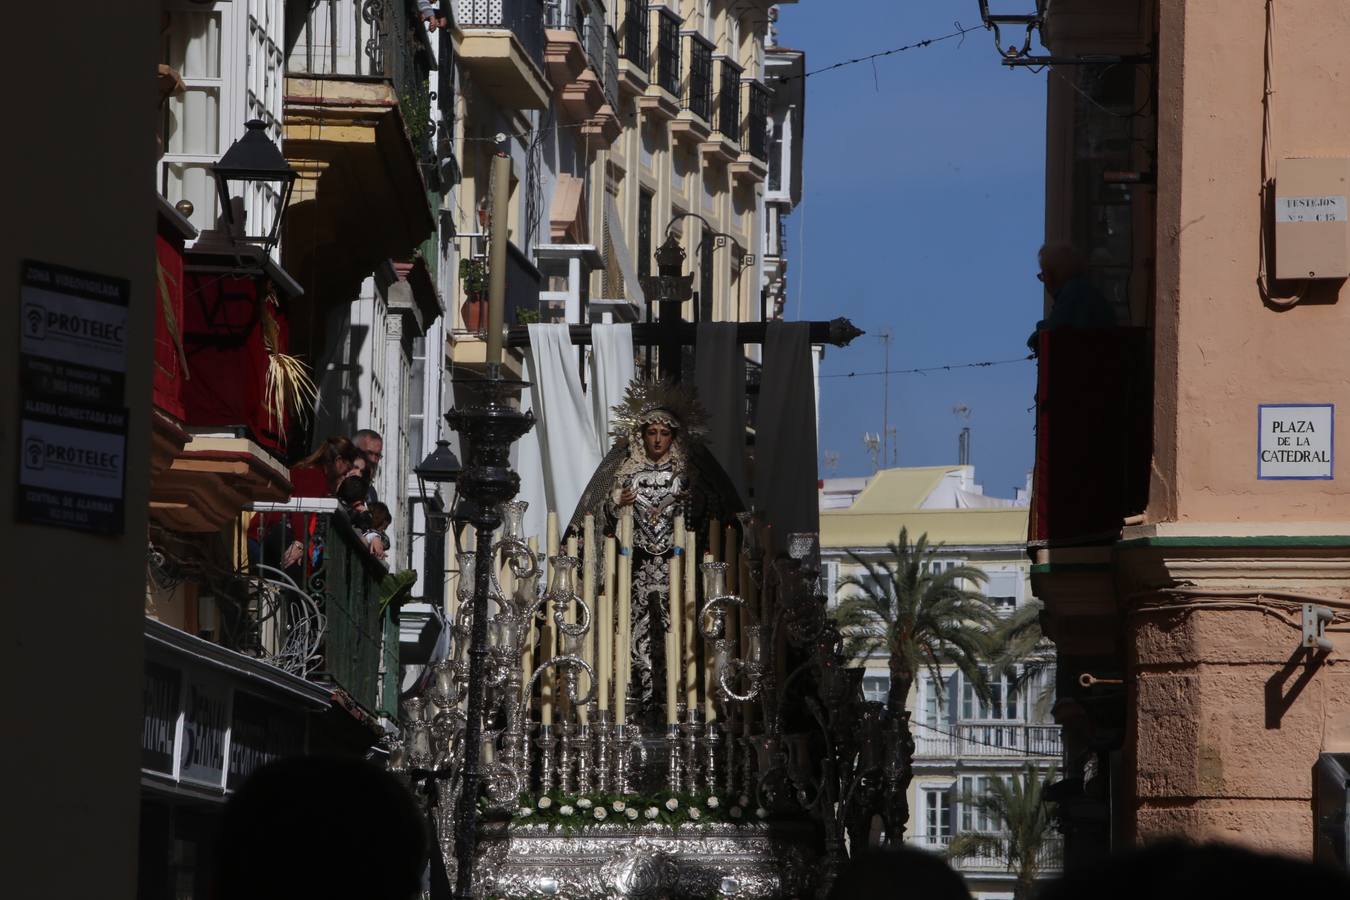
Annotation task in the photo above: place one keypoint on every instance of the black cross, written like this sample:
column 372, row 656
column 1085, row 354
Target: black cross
column 667, row 291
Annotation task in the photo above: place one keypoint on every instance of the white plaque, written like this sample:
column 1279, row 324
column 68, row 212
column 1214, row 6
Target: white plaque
column 1296, row 440
column 1329, row 208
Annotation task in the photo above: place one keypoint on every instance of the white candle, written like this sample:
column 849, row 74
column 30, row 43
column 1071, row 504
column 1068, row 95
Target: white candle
column 605, row 651
column 623, row 655
column 673, row 642
column 690, row 627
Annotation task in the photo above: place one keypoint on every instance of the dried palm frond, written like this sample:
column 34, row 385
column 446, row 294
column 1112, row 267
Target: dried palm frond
column 288, row 387
column 170, row 319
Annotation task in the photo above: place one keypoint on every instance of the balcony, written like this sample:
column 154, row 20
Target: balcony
column 694, row 122
column 501, row 42
column 1049, row 859
column 1094, row 434
column 332, row 615
column 661, row 100
column 523, row 283
column 167, row 434
column 724, row 147
column 582, row 58
column 987, row 740
column 359, row 133
column 752, row 165
column 634, row 48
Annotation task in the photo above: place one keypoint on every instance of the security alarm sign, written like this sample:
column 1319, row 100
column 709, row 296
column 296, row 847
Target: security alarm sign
column 73, row 334
column 72, row 466
column 1296, row 441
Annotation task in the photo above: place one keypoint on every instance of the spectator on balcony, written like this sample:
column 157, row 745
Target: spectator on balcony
column 431, row 15
column 317, row 475
column 351, row 493
column 1075, row 300
column 371, row 445
column 376, row 538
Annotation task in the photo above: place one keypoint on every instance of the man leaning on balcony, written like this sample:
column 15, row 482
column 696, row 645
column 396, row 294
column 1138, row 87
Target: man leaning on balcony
column 1076, row 302
column 432, row 15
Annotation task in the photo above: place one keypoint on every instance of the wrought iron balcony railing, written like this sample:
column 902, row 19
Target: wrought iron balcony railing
column 324, row 612
column 1049, row 858
column 728, row 99
column 523, row 18
column 986, row 740
column 635, row 45
column 667, row 58
column 610, row 79
column 755, row 138
column 698, row 82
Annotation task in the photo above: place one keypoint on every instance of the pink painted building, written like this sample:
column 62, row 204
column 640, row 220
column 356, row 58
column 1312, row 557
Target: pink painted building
column 1189, row 499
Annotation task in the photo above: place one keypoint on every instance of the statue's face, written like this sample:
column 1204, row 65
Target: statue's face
column 656, row 440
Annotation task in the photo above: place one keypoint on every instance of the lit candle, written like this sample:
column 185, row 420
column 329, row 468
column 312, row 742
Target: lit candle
column 673, row 643
column 605, row 651
column 690, row 627
column 623, row 655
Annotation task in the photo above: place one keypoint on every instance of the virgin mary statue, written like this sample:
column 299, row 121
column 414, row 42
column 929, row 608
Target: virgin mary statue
column 660, row 466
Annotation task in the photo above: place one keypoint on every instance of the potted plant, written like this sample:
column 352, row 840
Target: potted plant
column 473, row 311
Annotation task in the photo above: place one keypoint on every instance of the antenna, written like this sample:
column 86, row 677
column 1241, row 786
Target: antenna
column 963, row 413
column 873, row 444
column 885, row 335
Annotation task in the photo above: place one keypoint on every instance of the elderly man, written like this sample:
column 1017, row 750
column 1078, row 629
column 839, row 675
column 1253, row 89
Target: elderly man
column 371, row 445
column 1075, row 300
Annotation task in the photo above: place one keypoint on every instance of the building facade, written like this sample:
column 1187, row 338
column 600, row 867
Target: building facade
column 962, row 741
column 1190, row 505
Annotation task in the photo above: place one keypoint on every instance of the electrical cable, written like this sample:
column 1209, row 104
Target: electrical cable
column 926, row 369
column 960, row 32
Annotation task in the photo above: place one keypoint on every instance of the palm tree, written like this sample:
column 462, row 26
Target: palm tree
column 921, row 619
column 1018, row 805
column 1017, row 648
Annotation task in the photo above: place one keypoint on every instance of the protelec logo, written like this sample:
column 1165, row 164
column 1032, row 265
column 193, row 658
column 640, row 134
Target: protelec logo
column 36, row 320
column 34, row 454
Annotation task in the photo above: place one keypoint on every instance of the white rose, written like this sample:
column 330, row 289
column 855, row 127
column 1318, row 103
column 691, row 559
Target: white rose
column 672, row 804
column 742, row 800
column 694, row 812
column 523, row 812
column 544, row 803
column 631, row 814
column 762, row 813
column 565, row 810
column 713, row 803
column 618, row 806
column 600, row 813
column 583, row 802
column 651, row 812
column 735, row 812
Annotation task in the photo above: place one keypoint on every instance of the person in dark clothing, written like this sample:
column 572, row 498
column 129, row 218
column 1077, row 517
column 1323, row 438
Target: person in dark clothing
column 901, row 871
column 340, row 829
column 1076, row 301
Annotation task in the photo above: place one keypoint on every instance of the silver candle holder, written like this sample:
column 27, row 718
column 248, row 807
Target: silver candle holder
column 547, row 744
column 604, row 737
column 690, row 732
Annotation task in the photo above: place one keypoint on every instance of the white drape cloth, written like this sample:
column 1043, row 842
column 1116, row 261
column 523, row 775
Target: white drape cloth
column 565, row 426
column 611, row 371
column 529, row 463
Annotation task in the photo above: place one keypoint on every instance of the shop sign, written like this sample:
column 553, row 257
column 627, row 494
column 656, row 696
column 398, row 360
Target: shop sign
column 261, row 732
column 1296, row 441
column 159, row 731
column 206, row 716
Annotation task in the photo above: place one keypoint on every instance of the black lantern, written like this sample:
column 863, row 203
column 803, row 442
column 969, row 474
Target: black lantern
column 669, row 285
column 253, row 160
column 440, row 467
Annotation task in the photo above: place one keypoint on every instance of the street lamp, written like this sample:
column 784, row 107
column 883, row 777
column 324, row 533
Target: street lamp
column 254, row 164
column 440, row 467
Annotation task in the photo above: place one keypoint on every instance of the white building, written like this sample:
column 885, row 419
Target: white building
column 961, row 740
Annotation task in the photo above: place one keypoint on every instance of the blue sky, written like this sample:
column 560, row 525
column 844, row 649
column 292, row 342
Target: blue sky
column 922, row 211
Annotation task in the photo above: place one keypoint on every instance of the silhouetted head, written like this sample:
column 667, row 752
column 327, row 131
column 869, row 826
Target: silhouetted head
column 1174, row 870
column 899, row 872
column 321, row 828
column 1059, row 264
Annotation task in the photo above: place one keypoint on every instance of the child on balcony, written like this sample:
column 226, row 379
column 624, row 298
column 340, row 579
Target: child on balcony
column 376, row 539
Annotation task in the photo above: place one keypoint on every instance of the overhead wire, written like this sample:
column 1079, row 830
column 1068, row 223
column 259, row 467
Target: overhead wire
column 924, row 370
column 960, row 32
